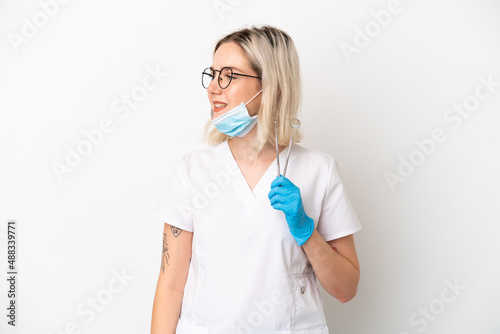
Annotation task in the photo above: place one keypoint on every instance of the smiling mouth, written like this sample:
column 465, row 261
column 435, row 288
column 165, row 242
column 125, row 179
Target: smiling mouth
column 219, row 107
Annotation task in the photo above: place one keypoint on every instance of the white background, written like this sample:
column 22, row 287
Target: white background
column 77, row 231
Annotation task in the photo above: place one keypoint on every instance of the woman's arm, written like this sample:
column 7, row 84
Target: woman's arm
column 176, row 256
column 336, row 270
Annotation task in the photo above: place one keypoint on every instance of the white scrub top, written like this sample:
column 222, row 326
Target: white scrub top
column 247, row 273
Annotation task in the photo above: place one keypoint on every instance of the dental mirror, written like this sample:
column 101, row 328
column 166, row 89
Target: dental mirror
column 295, row 124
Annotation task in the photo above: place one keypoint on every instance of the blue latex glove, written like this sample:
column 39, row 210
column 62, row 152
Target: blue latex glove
column 285, row 196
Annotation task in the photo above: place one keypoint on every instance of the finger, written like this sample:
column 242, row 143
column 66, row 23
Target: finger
column 279, row 206
column 278, row 181
column 277, row 198
column 275, row 191
column 284, row 182
column 273, row 197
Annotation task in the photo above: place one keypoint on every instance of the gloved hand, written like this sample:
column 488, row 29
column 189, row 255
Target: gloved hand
column 285, row 196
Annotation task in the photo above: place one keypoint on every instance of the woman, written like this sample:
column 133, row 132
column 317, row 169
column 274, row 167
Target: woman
column 242, row 247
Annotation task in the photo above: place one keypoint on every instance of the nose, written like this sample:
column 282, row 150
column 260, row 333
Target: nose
column 213, row 87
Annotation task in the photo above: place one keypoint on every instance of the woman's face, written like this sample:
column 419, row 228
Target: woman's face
column 241, row 89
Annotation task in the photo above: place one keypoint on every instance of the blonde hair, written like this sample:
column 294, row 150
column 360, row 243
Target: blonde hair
column 272, row 55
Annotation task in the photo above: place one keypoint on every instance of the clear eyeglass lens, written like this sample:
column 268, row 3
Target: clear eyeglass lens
column 207, row 76
column 225, row 77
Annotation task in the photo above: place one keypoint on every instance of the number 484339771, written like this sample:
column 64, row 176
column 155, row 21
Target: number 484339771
column 11, row 245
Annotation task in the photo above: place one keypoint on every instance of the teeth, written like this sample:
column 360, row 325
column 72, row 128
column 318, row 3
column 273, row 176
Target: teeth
column 219, row 105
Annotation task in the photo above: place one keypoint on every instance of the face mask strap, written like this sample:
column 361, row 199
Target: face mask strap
column 253, row 97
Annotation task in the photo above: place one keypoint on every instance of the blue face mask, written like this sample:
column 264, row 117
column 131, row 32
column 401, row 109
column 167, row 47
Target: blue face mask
column 237, row 121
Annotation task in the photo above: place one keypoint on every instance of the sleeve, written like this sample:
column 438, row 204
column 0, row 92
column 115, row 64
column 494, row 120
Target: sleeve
column 337, row 218
column 174, row 207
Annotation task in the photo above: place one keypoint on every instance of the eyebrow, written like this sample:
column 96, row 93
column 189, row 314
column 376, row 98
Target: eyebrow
column 232, row 67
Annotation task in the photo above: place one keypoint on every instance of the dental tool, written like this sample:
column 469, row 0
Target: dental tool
column 295, row 124
column 277, row 148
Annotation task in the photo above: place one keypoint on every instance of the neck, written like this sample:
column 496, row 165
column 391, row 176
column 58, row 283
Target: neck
column 242, row 148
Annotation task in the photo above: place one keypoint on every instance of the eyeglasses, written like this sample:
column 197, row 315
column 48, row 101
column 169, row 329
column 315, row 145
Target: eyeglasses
column 226, row 74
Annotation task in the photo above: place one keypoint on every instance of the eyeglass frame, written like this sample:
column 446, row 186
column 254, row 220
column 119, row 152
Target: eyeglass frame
column 218, row 76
